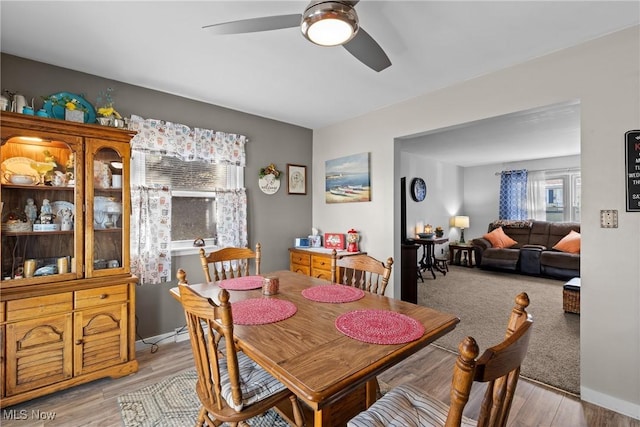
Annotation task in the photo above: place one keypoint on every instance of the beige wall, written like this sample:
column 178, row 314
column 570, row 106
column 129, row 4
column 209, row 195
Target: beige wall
column 604, row 75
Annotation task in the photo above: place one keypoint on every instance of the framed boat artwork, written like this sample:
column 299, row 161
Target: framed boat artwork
column 347, row 179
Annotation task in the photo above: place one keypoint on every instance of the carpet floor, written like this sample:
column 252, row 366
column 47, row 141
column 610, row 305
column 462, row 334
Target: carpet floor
column 483, row 301
column 173, row 403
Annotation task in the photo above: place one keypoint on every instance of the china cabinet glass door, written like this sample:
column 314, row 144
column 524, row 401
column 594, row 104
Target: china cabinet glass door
column 107, row 178
column 42, row 219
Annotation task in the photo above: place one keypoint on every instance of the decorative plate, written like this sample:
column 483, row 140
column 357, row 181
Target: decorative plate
column 269, row 184
column 418, row 189
column 57, row 111
column 19, row 166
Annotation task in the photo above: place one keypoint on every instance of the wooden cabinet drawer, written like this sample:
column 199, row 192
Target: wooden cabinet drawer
column 300, row 259
column 320, row 263
column 29, row 308
column 302, row 269
column 100, row 296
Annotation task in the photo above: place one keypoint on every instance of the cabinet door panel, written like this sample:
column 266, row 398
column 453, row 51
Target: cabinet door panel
column 38, row 353
column 108, row 204
column 100, row 338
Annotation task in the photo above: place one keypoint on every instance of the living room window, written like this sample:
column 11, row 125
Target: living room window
column 562, row 195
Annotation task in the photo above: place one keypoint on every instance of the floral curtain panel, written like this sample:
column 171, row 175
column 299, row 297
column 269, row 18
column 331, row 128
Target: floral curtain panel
column 513, row 195
column 176, row 140
column 151, row 234
column 232, row 218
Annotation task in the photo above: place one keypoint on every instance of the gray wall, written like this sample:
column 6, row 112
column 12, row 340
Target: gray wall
column 274, row 220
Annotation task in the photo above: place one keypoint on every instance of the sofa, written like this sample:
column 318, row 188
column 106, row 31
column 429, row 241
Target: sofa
column 531, row 247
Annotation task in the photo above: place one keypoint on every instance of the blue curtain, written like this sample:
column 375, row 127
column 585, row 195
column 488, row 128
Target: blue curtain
column 513, row 195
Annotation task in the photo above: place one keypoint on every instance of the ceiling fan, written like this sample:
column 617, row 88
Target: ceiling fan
column 325, row 23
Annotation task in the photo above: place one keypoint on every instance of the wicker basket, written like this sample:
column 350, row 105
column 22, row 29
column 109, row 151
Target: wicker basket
column 571, row 301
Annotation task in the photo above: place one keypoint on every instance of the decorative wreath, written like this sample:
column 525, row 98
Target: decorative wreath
column 271, row 169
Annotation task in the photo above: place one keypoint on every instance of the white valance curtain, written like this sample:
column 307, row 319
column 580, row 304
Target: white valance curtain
column 151, row 205
column 176, row 140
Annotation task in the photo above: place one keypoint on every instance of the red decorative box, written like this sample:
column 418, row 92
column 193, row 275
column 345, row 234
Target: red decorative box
column 334, row 241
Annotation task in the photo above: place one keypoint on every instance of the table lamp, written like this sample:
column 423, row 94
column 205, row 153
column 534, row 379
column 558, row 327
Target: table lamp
column 461, row 222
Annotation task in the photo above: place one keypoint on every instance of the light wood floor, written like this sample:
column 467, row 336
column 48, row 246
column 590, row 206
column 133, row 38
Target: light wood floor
column 95, row 404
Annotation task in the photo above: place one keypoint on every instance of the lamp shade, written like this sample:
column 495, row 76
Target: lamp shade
column 460, row 221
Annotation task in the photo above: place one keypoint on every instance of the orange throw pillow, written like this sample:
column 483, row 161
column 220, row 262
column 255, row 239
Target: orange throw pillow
column 498, row 239
column 569, row 243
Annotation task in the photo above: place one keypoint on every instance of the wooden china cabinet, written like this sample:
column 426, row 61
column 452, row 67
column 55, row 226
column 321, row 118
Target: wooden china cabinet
column 67, row 296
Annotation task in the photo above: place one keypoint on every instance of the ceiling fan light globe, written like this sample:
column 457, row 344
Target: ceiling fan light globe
column 330, row 32
column 329, row 23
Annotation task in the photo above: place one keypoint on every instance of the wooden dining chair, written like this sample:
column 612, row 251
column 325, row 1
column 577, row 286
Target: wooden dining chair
column 361, row 271
column 499, row 366
column 228, row 263
column 231, row 387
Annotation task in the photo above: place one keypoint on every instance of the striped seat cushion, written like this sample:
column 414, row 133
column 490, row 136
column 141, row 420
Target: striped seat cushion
column 405, row 406
column 255, row 383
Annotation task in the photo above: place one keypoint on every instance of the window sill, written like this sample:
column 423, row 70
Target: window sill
column 183, row 248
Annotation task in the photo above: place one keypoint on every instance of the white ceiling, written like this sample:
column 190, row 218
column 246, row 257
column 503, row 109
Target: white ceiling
column 280, row 75
column 540, row 133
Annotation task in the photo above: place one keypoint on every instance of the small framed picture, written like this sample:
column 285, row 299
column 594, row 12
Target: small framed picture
column 296, row 179
column 334, row 241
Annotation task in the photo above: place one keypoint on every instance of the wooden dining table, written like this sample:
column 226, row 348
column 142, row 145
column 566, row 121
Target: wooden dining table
column 330, row 372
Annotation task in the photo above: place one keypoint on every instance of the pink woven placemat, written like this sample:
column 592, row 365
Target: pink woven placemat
column 379, row 326
column 333, row 293
column 259, row 311
column 241, row 283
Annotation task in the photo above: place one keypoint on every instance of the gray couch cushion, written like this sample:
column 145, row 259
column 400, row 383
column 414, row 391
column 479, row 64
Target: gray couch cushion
column 561, row 260
column 504, row 258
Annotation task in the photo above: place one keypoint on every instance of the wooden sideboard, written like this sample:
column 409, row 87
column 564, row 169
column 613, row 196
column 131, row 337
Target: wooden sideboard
column 315, row 262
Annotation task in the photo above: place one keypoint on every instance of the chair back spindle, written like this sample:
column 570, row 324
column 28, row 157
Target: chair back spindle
column 361, row 271
column 228, row 263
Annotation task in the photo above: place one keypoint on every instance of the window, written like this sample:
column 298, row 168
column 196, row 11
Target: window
column 193, row 190
column 562, row 196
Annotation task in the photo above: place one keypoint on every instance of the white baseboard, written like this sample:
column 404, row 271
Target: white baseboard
column 623, row 407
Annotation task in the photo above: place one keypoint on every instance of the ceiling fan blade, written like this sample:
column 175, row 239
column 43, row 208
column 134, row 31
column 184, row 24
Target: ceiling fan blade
column 368, row 51
column 266, row 23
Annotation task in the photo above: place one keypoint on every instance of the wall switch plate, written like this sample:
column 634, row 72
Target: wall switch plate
column 609, row 218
